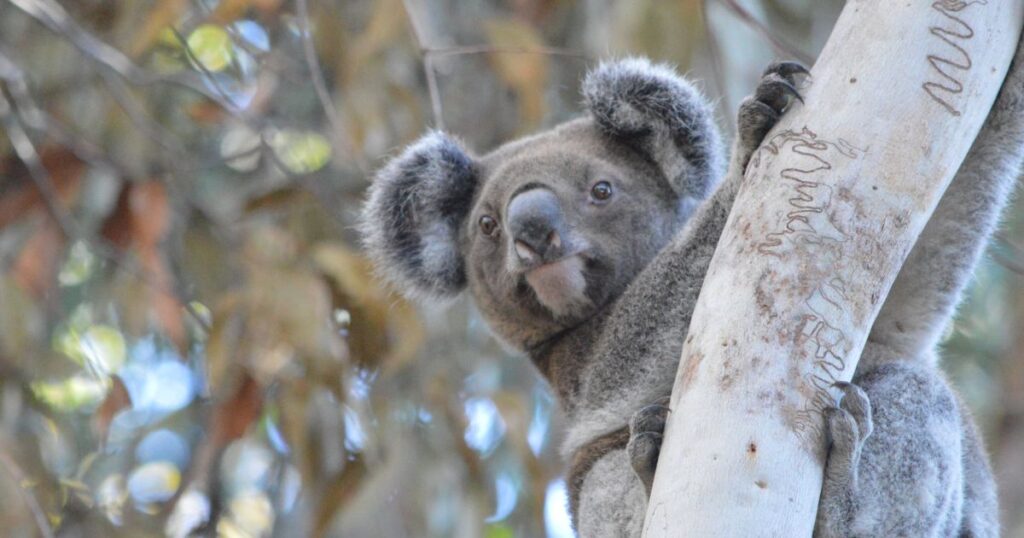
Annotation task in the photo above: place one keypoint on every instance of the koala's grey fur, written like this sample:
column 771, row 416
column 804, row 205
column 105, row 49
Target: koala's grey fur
column 923, row 470
column 905, row 459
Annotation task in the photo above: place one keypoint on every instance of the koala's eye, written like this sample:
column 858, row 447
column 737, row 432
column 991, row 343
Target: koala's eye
column 488, row 225
column 601, row 191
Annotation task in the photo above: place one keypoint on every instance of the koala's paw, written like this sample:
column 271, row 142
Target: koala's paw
column 848, row 425
column 773, row 96
column 645, row 433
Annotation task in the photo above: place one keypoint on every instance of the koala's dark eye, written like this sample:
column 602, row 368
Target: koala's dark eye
column 601, row 191
column 488, row 225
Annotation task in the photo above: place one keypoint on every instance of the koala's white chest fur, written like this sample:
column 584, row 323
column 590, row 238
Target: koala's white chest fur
column 560, row 286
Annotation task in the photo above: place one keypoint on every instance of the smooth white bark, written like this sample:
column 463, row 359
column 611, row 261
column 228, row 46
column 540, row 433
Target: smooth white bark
column 831, row 205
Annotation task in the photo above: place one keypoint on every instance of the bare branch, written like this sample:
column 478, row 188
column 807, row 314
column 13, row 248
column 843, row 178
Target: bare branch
column 20, row 479
column 491, row 49
column 428, row 68
column 28, row 154
column 716, row 57
column 26, row 151
column 320, row 85
column 781, row 46
column 50, row 14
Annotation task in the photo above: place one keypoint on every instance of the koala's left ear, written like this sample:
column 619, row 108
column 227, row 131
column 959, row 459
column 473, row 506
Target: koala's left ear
column 410, row 221
column 658, row 112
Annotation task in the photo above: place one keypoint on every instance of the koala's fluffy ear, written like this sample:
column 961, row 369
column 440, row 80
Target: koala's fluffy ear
column 412, row 214
column 655, row 110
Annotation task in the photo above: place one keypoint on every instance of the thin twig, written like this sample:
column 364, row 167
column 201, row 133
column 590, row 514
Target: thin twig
column 1011, row 264
column 491, row 49
column 428, row 68
column 141, row 118
column 50, row 14
column 781, row 46
column 320, row 86
column 715, row 52
column 26, row 151
column 20, row 479
column 40, row 177
column 225, row 98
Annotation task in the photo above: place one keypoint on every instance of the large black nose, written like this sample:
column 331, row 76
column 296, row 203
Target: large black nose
column 536, row 224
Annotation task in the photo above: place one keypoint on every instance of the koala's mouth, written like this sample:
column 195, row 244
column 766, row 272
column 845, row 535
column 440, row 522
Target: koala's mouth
column 561, row 285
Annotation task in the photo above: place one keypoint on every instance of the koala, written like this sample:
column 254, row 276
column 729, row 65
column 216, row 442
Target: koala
column 585, row 246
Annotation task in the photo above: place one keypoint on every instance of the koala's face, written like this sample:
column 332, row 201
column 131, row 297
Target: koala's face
column 561, row 223
column 547, row 230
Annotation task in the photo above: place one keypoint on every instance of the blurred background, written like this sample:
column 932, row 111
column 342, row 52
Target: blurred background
column 190, row 340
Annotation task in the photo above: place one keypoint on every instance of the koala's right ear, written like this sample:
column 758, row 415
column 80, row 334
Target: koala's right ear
column 410, row 221
column 656, row 110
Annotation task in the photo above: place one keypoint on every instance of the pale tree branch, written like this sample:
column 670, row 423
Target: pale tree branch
column 829, row 209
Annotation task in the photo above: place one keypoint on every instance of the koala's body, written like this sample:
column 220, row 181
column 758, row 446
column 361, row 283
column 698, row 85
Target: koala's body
column 585, row 247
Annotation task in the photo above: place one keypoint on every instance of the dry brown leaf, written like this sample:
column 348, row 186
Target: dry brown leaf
column 384, row 329
column 232, row 417
column 206, row 112
column 65, row 171
column 293, row 405
column 275, row 199
column 386, row 25
column 117, row 227
column 116, row 400
column 161, row 16
column 35, row 268
column 150, row 212
column 141, row 219
column 225, row 334
column 230, row 10
column 339, row 492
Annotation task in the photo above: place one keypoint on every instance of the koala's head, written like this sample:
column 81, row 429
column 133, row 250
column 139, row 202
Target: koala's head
column 547, row 230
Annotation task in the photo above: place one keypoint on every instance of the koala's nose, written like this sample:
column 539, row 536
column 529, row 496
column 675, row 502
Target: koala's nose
column 536, row 225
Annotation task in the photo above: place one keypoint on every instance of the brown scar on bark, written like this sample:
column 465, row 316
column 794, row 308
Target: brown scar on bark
column 689, row 370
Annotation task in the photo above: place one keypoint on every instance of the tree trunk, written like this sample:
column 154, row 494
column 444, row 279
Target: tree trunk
column 832, row 204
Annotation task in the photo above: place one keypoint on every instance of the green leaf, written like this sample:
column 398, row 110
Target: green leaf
column 301, row 153
column 70, row 394
column 211, row 46
column 78, row 267
column 100, row 346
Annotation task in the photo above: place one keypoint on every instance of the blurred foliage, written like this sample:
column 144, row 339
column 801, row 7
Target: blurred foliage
column 190, row 339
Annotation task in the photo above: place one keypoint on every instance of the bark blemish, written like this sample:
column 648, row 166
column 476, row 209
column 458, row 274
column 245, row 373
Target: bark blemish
column 689, row 369
column 752, row 450
column 761, row 484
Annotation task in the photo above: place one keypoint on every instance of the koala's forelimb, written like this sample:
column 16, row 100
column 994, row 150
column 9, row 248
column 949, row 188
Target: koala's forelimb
column 942, row 261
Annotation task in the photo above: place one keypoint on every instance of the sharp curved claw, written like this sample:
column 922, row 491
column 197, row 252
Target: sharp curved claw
column 790, row 89
column 772, row 92
column 787, row 69
column 655, row 407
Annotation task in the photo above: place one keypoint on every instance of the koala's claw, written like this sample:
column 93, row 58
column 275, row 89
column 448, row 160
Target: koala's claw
column 849, row 425
column 855, row 401
column 646, row 428
column 786, row 69
column 761, row 111
column 776, row 92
